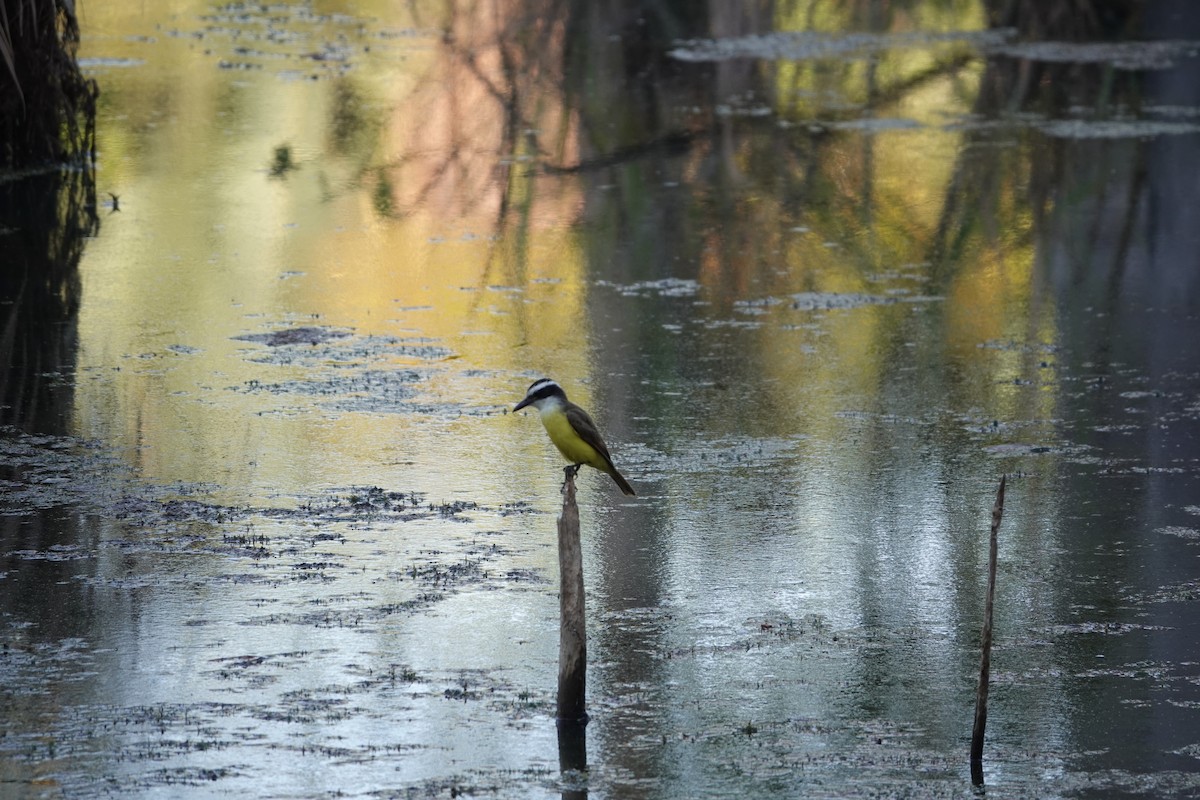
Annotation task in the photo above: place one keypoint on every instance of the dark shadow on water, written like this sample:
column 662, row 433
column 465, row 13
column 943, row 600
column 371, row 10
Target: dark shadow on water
column 45, row 221
column 47, row 208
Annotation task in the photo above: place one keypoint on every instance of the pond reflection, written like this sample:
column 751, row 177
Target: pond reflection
column 45, row 221
column 822, row 273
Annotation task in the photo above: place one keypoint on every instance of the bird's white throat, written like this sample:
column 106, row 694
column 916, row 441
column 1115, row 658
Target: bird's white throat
column 548, row 405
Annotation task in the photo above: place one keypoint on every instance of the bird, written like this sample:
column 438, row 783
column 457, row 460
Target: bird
column 571, row 430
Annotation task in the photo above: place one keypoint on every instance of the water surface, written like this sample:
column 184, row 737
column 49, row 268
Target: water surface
column 821, row 276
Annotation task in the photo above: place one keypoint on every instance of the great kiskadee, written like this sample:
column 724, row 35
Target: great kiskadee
column 571, row 429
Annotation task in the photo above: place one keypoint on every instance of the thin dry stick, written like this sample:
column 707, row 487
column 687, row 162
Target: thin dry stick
column 985, row 663
column 572, row 631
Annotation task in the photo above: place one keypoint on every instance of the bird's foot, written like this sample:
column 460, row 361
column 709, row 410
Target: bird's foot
column 569, row 473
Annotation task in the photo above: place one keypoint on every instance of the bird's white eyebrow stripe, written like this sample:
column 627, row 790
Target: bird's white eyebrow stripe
column 541, row 385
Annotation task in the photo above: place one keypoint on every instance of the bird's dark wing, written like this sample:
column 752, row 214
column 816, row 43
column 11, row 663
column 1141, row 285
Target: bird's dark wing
column 587, row 430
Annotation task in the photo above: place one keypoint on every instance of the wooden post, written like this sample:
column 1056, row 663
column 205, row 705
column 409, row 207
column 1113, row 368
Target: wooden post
column 572, row 630
column 985, row 664
column 572, row 760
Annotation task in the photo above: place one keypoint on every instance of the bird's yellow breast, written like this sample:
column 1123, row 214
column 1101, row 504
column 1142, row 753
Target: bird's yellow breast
column 568, row 442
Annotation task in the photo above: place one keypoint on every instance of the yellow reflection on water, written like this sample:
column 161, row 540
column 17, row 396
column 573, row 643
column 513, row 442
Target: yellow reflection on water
column 384, row 187
column 258, row 199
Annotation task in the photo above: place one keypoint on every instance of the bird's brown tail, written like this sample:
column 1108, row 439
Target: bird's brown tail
column 624, row 484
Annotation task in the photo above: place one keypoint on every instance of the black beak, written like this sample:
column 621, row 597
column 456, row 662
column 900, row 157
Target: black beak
column 521, row 405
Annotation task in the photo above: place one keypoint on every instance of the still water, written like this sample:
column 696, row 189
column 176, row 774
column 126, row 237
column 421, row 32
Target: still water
column 821, row 274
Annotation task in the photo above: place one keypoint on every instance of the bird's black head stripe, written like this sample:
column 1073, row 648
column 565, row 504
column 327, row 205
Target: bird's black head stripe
column 548, row 389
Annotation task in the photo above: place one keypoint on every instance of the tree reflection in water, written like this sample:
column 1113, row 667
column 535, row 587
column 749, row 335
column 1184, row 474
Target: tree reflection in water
column 800, row 584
